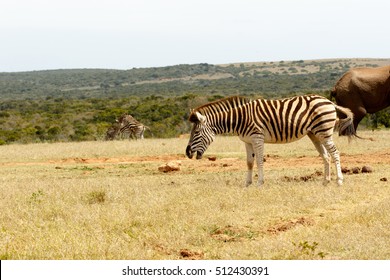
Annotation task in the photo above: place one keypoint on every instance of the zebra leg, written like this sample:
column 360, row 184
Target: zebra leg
column 332, row 150
column 250, row 159
column 324, row 154
column 258, row 147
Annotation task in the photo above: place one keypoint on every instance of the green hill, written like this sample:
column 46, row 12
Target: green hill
column 79, row 104
column 261, row 78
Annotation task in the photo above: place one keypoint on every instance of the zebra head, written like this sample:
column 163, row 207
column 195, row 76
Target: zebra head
column 202, row 135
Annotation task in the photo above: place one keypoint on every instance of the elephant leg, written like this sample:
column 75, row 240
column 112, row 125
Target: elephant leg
column 358, row 115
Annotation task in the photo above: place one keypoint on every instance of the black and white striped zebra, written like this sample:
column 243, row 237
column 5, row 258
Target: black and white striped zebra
column 271, row 121
column 129, row 125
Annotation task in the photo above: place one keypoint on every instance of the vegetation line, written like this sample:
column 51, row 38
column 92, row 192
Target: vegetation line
column 80, row 104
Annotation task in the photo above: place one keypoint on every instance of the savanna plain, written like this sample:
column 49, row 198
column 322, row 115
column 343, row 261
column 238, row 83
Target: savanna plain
column 108, row 200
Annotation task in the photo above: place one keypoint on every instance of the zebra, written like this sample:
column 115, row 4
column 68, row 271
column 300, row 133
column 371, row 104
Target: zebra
column 129, row 125
column 271, row 121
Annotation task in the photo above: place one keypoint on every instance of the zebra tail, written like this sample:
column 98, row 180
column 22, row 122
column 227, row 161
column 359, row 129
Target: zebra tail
column 345, row 125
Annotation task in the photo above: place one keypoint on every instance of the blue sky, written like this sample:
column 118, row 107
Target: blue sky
column 120, row 34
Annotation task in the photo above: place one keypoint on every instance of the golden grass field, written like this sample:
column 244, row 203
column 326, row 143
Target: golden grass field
column 107, row 200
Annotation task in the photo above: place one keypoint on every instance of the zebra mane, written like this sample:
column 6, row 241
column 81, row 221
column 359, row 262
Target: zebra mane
column 221, row 105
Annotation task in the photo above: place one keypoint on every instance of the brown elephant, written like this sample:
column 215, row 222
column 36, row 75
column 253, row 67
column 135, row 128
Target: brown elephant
column 363, row 90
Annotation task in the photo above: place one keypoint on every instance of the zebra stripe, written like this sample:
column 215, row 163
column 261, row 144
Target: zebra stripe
column 270, row 121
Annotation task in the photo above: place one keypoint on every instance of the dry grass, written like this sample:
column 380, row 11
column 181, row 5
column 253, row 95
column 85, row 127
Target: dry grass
column 107, row 200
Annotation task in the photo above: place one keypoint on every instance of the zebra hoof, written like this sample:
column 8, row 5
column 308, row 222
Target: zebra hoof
column 339, row 182
column 325, row 182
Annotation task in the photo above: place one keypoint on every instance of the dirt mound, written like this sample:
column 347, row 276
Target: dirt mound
column 191, row 255
column 232, row 233
column 357, row 170
column 287, row 225
column 304, row 178
column 170, row 166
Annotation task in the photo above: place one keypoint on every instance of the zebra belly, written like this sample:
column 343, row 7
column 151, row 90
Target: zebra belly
column 268, row 138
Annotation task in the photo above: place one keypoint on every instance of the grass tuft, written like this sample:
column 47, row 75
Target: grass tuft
column 96, row 197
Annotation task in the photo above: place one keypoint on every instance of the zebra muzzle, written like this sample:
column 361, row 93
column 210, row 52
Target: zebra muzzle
column 189, row 153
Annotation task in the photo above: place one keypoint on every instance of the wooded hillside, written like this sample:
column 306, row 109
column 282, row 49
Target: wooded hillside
column 80, row 104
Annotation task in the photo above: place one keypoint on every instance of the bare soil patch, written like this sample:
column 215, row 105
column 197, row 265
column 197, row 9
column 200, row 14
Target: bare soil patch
column 304, row 178
column 348, row 162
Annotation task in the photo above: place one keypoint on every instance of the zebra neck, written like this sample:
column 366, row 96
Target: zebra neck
column 226, row 122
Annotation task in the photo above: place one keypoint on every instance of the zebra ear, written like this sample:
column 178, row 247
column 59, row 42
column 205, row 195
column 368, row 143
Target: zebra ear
column 200, row 117
column 196, row 117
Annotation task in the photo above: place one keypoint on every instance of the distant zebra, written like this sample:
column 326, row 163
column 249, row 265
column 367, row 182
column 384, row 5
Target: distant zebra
column 271, row 121
column 126, row 125
column 129, row 125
